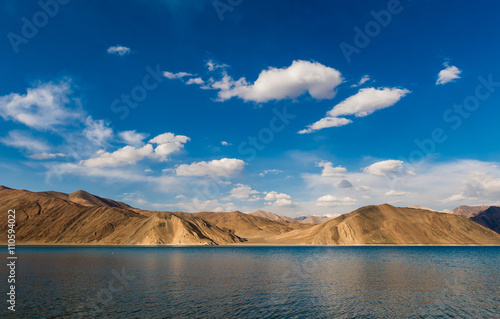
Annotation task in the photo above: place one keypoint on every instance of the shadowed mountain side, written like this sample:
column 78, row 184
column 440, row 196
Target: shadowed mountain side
column 386, row 224
column 253, row 228
column 51, row 219
column 489, row 218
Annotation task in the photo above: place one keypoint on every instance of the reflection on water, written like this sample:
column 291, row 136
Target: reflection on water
column 258, row 282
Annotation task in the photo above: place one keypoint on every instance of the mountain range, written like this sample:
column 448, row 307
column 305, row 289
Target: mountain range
column 80, row 218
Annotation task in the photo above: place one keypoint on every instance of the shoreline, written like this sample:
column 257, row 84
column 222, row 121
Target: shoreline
column 250, row 245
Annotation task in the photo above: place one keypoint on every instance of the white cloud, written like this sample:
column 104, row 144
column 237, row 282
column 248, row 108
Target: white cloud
column 270, row 171
column 330, row 171
column 278, row 199
column 123, row 156
column 119, row 50
column 44, row 156
column 178, row 75
column 42, row 108
column 224, row 143
column 243, row 192
column 396, row 193
column 222, row 167
column 198, row 81
column 363, row 80
column 212, row 66
column 388, row 167
column 97, row 131
column 448, row 74
column 133, row 138
column 302, row 77
column 453, row 198
column 363, row 103
column 168, row 143
column 286, row 83
column 480, row 184
column 367, row 101
column 23, row 140
column 330, row 200
column 325, row 122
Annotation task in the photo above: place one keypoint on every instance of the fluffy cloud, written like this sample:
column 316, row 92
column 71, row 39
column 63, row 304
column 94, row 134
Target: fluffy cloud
column 286, row 83
column 330, row 171
column 133, row 138
column 483, row 184
column 448, row 74
column 278, row 199
column 387, row 168
column 198, row 81
column 123, row 156
column 302, row 77
column 453, row 198
column 42, row 108
column 23, row 140
column 97, row 131
column 330, row 200
column 119, row 50
column 224, row 143
column 363, row 103
column 244, row 192
column 222, row 167
column 168, row 143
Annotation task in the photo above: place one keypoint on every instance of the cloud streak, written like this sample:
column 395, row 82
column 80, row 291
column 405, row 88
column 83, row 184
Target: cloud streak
column 362, row 104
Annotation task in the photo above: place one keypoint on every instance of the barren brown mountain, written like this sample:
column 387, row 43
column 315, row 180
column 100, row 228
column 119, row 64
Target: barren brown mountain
column 255, row 229
column 468, row 211
column 386, row 224
column 50, row 217
column 314, row 220
column 83, row 218
column 271, row 216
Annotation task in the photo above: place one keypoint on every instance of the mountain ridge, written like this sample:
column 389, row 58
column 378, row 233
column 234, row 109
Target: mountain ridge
column 82, row 218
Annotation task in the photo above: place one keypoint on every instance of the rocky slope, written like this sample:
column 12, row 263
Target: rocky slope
column 489, row 218
column 54, row 218
column 386, row 224
column 255, row 229
column 271, row 216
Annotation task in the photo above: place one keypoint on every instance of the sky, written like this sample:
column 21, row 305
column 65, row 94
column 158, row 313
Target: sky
column 298, row 108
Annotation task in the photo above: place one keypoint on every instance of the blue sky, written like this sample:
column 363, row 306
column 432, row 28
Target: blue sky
column 303, row 108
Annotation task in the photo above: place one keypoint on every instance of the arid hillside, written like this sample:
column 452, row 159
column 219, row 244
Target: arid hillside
column 386, row 224
column 50, row 217
column 83, row 218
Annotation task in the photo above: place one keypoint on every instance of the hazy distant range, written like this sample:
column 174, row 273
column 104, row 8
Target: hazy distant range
column 81, row 218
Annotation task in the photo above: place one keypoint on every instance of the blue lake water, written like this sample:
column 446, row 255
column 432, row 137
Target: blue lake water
column 257, row 282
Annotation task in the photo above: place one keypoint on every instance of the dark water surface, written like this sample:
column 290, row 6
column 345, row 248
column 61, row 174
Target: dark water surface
column 256, row 282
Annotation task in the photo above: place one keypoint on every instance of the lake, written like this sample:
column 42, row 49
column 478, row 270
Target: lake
column 257, row 282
